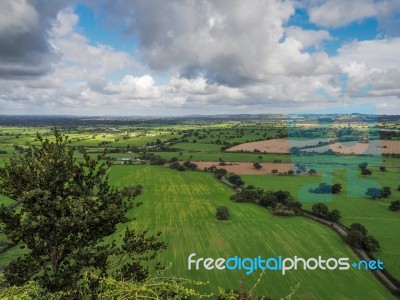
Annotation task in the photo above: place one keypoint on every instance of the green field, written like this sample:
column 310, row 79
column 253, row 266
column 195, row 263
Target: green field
column 182, row 205
column 382, row 223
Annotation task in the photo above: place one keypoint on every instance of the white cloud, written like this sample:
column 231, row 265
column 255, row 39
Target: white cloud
column 338, row 13
column 215, row 57
column 308, row 38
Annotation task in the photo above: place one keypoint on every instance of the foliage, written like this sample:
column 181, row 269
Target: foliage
column 320, row 209
column 358, row 237
column 257, row 165
column 189, row 165
column 395, row 205
column 359, row 227
column 222, row 213
column 325, row 188
column 153, row 287
column 365, row 171
column 236, row 180
column 354, row 238
column 377, row 193
column 363, row 165
column 374, row 193
column 312, row 172
column 280, row 202
column 66, row 208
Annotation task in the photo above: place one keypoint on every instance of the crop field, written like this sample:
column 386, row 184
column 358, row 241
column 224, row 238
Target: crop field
column 182, row 206
column 374, row 214
column 247, row 168
column 375, row 147
column 275, row 145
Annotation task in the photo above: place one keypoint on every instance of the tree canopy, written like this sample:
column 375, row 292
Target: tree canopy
column 65, row 209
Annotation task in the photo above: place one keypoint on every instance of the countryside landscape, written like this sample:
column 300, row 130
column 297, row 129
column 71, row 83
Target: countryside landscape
column 178, row 163
column 199, row 149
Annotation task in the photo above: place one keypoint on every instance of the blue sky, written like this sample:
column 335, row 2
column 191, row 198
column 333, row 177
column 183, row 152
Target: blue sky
column 184, row 57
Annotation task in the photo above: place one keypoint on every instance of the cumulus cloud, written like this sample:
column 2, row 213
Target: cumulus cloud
column 308, row 37
column 338, row 13
column 24, row 32
column 232, row 43
column 195, row 56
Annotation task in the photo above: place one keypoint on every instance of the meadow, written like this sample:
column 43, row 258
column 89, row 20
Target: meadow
column 381, row 223
column 182, row 205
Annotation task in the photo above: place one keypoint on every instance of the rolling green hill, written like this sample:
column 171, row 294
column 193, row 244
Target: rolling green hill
column 182, row 205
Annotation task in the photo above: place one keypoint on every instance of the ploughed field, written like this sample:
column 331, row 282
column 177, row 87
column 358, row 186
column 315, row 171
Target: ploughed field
column 373, row 147
column 182, row 205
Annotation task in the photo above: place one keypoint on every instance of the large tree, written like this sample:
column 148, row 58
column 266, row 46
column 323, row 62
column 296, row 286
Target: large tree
column 65, row 209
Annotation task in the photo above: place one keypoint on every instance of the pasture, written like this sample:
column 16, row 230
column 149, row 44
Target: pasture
column 382, row 223
column 182, row 205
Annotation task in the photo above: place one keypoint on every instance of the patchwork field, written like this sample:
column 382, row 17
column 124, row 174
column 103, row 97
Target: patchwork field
column 374, row 147
column 182, row 205
column 246, row 167
column 374, row 214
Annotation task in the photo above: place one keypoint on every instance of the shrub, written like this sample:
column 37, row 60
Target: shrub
column 395, row 205
column 222, row 213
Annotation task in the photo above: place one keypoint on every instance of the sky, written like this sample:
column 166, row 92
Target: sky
column 184, row 57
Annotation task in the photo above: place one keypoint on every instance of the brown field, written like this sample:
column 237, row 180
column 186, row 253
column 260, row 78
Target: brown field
column 270, row 146
column 246, row 167
column 372, row 148
column 283, row 146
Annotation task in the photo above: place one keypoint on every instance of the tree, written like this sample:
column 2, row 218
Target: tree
column 222, row 213
column 354, row 238
column 236, row 180
column 66, row 208
column 395, row 205
column 386, row 192
column 374, row 193
column 363, row 165
column 336, row 188
column 370, row 244
column 359, row 227
column 365, row 171
column 382, row 168
column 312, row 172
column 320, row 209
column 257, row 165
column 274, row 171
column 334, row 215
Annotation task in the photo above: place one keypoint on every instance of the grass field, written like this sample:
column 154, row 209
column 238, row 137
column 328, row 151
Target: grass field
column 382, row 223
column 182, row 205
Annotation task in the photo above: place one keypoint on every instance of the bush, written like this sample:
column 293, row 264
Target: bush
column 395, row 205
column 257, row 165
column 222, row 213
column 374, row 193
column 359, row 227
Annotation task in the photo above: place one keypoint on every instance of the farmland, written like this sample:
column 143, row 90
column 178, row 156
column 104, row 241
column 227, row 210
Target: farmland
column 182, row 204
